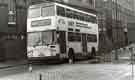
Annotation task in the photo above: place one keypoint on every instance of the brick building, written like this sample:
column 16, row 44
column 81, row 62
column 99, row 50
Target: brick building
column 12, row 29
column 114, row 16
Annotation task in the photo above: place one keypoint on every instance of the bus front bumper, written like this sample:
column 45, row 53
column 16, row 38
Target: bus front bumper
column 43, row 58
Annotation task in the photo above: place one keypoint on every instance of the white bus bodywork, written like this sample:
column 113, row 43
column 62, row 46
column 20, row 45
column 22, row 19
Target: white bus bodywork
column 58, row 23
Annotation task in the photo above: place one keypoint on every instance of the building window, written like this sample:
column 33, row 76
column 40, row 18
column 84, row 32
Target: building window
column 90, row 1
column 12, row 12
column 12, row 19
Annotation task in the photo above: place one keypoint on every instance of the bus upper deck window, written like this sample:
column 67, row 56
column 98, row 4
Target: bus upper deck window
column 92, row 19
column 34, row 12
column 60, row 11
column 69, row 13
column 48, row 11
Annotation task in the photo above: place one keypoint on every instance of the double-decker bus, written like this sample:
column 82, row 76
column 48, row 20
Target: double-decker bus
column 53, row 29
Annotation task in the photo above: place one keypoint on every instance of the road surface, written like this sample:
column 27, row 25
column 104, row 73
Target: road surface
column 78, row 71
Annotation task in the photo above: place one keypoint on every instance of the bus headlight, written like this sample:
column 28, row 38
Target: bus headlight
column 30, row 54
column 53, row 52
column 41, row 54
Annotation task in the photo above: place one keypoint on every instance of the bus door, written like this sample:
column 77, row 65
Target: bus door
column 62, row 41
column 84, row 43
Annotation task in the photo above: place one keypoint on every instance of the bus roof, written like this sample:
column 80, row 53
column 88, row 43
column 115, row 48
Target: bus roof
column 93, row 11
column 75, row 9
column 41, row 4
column 72, row 7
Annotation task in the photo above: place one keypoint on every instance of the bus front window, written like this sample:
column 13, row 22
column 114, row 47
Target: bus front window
column 49, row 37
column 33, row 39
column 41, row 38
column 34, row 12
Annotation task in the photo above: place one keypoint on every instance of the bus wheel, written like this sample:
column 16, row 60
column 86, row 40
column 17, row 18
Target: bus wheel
column 71, row 55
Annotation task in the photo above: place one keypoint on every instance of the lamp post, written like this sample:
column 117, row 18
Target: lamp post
column 116, row 23
column 132, row 51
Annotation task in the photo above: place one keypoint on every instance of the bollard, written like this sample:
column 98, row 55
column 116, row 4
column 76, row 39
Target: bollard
column 70, row 61
column 40, row 76
column 30, row 67
column 116, row 55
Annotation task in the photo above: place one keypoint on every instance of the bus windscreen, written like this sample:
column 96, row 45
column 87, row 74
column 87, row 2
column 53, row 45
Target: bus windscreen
column 40, row 38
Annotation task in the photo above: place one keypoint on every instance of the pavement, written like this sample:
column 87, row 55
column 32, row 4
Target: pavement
column 12, row 63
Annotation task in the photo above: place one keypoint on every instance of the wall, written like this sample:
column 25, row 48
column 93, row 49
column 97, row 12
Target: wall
column 131, row 32
column 3, row 17
column 3, row 28
column 12, row 27
column 115, row 18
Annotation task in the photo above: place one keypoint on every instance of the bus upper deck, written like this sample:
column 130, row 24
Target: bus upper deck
column 56, row 9
column 54, row 14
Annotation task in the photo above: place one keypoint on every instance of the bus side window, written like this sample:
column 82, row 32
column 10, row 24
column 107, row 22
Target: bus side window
column 82, row 16
column 92, row 19
column 75, row 15
column 60, row 11
column 92, row 38
column 69, row 13
column 77, row 37
column 71, row 36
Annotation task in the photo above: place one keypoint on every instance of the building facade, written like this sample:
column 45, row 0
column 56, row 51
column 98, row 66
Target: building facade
column 115, row 15
column 89, row 4
column 13, row 27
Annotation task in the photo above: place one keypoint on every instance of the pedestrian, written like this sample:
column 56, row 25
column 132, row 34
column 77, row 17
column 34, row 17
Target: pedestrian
column 93, row 52
column 30, row 68
column 71, row 55
column 131, row 49
column 116, row 54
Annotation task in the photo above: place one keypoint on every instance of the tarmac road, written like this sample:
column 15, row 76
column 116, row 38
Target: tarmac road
column 78, row 71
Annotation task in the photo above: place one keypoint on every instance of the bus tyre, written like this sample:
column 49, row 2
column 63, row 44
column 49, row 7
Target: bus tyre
column 71, row 55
